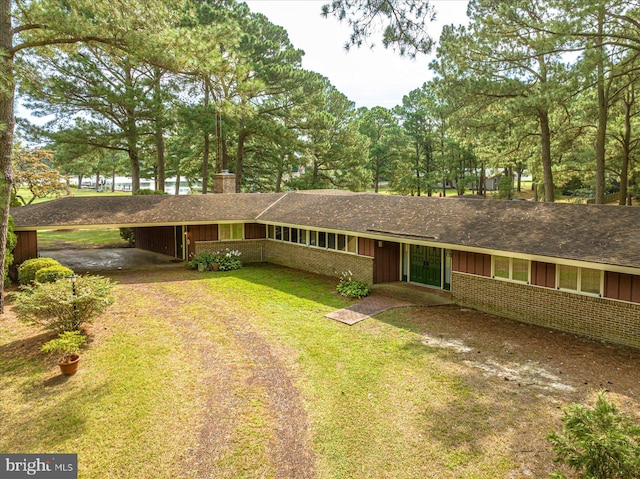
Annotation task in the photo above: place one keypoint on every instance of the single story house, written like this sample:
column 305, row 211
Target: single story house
column 574, row 268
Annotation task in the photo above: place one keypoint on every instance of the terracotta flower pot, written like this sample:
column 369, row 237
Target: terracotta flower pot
column 69, row 368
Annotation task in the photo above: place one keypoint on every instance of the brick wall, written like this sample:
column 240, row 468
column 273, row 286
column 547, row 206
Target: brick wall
column 251, row 251
column 595, row 318
column 319, row 261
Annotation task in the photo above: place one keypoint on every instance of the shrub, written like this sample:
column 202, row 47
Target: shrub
column 51, row 274
column 64, row 305
column 67, row 343
column 27, row 270
column 218, row 261
column 129, row 235
column 598, row 443
column 351, row 288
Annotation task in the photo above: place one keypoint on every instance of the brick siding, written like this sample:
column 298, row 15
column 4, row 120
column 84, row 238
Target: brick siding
column 319, row 261
column 251, row 251
column 596, row 318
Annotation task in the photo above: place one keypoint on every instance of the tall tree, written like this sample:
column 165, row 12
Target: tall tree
column 502, row 59
column 26, row 26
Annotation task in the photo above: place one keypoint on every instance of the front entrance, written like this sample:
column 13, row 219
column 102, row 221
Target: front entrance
column 426, row 265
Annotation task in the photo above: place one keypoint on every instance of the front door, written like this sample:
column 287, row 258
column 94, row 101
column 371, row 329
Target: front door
column 426, row 265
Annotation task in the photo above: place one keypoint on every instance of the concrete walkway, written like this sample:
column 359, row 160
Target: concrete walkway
column 388, row 296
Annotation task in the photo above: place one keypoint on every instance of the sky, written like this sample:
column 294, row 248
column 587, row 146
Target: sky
column 368, row 77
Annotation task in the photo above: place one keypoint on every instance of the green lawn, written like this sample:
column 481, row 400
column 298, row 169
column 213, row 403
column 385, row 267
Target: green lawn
column 74, row 239
column 26, row 194
column 194, row 375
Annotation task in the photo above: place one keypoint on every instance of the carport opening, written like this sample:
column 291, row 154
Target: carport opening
column 95, row 250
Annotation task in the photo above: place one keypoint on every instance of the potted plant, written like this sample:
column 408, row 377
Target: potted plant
column 67, row 344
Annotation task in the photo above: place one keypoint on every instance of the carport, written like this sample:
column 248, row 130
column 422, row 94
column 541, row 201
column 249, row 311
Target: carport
column 163, row 224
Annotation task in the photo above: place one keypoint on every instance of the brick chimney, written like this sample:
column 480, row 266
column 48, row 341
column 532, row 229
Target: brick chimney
column 224, row 182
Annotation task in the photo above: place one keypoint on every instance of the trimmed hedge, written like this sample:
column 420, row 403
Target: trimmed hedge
column 27, row 270
column 51, row 274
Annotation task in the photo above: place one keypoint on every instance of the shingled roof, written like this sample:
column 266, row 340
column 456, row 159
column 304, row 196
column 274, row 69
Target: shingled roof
column 141, row 210
column 593, row 233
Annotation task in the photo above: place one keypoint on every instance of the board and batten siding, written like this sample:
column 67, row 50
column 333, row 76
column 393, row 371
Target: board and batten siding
column 472, row 263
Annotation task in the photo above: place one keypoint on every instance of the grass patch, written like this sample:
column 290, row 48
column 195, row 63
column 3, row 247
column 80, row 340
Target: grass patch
column 79, row 239
column 176, row 384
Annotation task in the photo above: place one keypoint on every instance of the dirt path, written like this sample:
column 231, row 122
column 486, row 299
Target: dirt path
column 231, row 386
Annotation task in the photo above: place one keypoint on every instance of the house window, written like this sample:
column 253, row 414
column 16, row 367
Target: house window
column 520, row 270
column 501, row 267
column 568, row 277
column 590, row 280
column 285, row 233
column 294, row 235
column 279, row 233
column 352, row 244
column 271, row 232
column 331, row 240
column 322, row 239
column 514, row 269
column 582, row 280
column 342, row 242
column 313, row 238
column 230, row 231
column 302, row 237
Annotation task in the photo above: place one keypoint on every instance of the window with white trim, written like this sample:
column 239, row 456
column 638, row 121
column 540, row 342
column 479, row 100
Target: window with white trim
column 513, row 269
column 316, row 239
column 229, row 231
column 580, row 280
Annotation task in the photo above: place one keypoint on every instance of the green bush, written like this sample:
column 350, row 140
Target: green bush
column 129, row 235
column 598, row 443
column 51, row 274
column 27, row 270
column 67, row 343
column 351, row 288
column 64, row 305
column 218, row 261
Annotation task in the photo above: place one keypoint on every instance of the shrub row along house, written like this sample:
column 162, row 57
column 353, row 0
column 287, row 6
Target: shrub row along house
column 574, row 268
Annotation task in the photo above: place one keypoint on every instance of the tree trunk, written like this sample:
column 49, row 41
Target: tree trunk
column 279, row 181
column 418, row 168
column 7, row 92
column 545, row 146
column 177, row 183
column 377, row 177
column 160, row 179
column 601, row 133
column 207, row 145
column 242, row 138
column 626, row 147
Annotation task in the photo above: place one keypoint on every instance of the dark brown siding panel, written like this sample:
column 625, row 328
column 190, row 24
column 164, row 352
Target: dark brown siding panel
column 625, row 287
column 635, row 288
column 159, row 239
column 26, row 247
column 543, row 274
column 387, row 262
column 203, row 233
column 255, row 231
column 487, row 265
column 366, row 247
column 472, row 263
